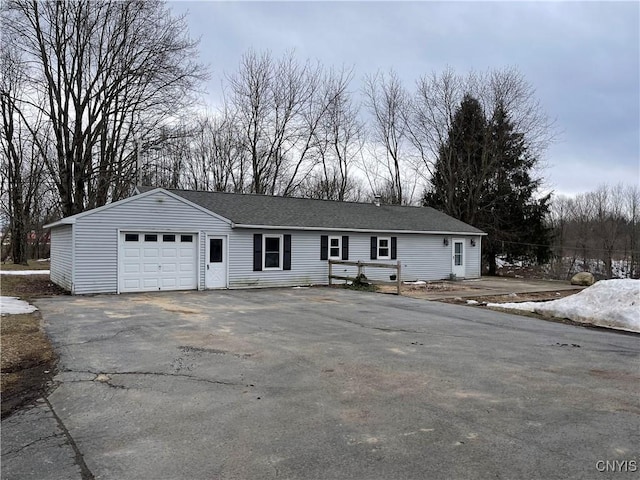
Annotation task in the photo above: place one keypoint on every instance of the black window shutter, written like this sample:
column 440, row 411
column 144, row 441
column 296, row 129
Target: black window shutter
column 374, row 248
column 345, row 247
column 257, row 252
column 324, row 247
column 394, row 248
column 286, row 258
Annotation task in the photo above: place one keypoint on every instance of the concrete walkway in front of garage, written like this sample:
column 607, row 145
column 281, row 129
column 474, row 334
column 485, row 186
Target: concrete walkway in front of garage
column 322, row 383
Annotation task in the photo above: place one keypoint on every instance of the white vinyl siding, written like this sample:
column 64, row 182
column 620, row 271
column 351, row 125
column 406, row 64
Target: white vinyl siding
column 423, row 257
column 97, row 243
column 473, row 257
column 62, row 256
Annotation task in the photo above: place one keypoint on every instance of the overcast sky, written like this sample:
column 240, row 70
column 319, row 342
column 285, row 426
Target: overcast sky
column 583, row 59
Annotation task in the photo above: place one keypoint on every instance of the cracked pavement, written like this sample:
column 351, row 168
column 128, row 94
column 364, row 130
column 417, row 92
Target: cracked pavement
column 322, row 383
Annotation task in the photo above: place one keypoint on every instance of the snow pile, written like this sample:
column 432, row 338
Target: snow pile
column 24, row 272
column 608, row 303
column 13, row 305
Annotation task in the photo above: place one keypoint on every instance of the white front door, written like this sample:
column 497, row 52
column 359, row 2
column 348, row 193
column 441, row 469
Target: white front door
column 216, row 270
column 457, row 266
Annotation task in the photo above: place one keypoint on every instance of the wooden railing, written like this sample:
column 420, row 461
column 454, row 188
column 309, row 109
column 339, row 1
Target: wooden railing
column 395, row 266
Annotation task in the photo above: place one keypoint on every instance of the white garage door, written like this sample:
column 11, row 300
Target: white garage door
column 158, row 261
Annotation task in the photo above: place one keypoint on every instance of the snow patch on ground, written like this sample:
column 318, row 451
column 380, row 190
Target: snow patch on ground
column 607, row 303
column 24, row 272
column 13, row 305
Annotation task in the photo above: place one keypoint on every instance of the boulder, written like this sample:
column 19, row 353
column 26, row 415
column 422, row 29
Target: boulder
column 585, row 279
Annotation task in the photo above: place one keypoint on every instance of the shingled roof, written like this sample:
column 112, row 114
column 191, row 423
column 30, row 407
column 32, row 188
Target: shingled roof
column 249, row 210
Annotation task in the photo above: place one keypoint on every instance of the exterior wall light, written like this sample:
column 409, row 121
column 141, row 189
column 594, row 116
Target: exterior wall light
column 473, row 242
column 445, row 242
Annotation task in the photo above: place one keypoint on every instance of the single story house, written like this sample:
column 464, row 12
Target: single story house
column 160, row 239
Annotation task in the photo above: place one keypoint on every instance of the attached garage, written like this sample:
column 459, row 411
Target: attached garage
column 158, row 261
column 153, row 241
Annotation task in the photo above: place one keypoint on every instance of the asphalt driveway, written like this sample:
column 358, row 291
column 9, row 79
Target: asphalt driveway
column 324, row 384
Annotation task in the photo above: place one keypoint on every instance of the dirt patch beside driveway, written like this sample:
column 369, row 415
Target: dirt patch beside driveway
column 488, row 289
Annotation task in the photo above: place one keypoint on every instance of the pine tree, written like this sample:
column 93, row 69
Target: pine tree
column 483, row 177
column 460, row 159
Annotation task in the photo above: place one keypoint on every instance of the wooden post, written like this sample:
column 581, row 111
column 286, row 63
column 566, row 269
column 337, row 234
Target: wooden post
column 398, row 273
column 330, row 272
column 359, row 269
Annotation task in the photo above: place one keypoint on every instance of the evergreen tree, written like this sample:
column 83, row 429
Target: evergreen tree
column 483, row 176
column 454, row 178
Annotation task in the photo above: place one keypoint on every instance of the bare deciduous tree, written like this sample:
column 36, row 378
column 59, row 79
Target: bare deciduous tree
column 98, row 67
column 389, row 104
column 23, row 152
column 278, row 109
column 338, row 140
column 597, row 231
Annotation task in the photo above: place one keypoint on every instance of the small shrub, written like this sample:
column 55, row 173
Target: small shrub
column 361, row 283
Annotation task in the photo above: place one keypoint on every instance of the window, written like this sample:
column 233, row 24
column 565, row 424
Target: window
column 168, row 238
column 335, row 244
column 186, row 238
column 215, row 250
column 130, row 237
column 457, row 253
column 384, row 248
column 272, row 248
column 150, row 237
column 271, row 252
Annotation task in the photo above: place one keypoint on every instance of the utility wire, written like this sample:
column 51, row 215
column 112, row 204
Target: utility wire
column 564, row 247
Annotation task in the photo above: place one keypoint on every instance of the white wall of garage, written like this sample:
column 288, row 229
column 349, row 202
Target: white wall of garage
column 62, row 256
column 97, row 242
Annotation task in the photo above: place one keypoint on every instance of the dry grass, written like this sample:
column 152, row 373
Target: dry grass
column 27, row 358
column 32, row 265
column 24, row 346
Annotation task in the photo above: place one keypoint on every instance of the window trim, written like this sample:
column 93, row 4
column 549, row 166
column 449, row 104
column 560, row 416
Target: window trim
column 388, row 247
column 280, row 252
column 339, row 247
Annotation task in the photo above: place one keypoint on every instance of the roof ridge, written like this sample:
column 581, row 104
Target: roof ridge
column 250, row 194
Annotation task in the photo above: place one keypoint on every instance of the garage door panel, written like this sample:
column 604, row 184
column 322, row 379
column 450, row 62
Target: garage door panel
column 131, row 268
column 158, row 265
column 132, row 284
column 169, row 253
column 169, row 268
column 169, row 283
column 150, row 268
column 151, row 283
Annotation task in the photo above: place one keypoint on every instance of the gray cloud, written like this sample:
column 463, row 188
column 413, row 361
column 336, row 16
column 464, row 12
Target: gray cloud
column 582, row 58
